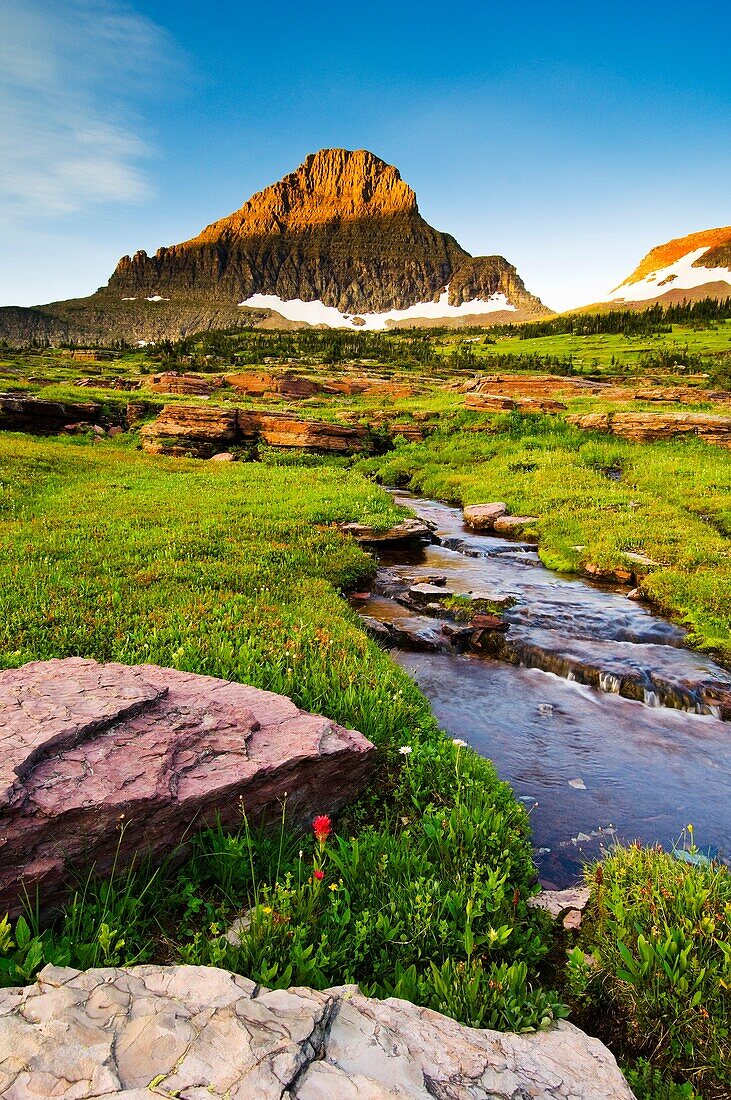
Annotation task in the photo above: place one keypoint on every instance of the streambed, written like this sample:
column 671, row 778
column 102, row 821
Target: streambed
column 591, row 705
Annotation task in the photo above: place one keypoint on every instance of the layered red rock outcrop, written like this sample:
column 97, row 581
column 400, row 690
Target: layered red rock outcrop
column 197, row 430
column 104, row 762
column 175, row 382
column 202, row 431
column 41, row 417
column 648, row 427
column 491, row 402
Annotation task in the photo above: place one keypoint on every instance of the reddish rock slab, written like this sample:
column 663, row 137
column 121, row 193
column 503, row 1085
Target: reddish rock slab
column 86, row 747
column 639, row 427
column 200, row 431
column 481, row 517
column 287, row 430
column 177, row 382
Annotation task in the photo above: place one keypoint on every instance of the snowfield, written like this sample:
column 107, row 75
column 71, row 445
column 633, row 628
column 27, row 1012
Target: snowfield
column 316, row 313
column 680, row 276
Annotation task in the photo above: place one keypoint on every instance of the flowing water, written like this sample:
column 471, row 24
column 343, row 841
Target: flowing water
column 590, row 705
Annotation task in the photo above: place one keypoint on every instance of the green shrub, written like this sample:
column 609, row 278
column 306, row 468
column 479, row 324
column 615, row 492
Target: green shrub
column 656, row 959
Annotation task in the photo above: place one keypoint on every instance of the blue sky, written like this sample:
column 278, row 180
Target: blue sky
column 569, row 137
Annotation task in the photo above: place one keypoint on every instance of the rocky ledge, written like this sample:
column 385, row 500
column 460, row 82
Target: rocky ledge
column 85, row 748
column 198, row 1032
column 203, row 431
column 649, row 427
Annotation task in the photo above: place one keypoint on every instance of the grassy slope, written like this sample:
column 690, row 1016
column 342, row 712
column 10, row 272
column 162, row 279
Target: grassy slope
column 597, row 351
column 234, row 571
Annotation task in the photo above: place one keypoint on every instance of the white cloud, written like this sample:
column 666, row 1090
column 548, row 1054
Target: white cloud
column 72, row 81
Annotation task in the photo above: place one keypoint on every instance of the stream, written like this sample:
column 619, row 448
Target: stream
column 590, row 704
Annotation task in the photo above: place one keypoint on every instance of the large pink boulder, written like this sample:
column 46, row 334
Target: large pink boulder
column 103, row 761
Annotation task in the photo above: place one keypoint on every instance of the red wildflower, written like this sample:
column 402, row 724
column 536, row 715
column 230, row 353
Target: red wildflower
column 322, row 827
column 319, row 875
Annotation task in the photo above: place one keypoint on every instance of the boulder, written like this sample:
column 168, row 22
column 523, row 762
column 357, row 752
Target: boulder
column 85, row 746
column 224, row 456
column 481, row 517
column 648, row 427
column 195, row 1031
column 199, row 431
column 425, row 592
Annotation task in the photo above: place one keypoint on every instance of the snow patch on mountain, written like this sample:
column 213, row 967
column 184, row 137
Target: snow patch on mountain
column 316, row 313
column 680, row 275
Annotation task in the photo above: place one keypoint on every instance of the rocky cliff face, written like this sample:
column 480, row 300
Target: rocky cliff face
column 344, row 230
column 342, row 234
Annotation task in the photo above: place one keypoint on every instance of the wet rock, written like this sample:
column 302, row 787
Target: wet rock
column 380, row 631
column 192, row 1031
column 424, row 592
column 488, row 622
column 458, row 636
column 403, row 533
column 481, row 517
column 84, row 746
column 577, row 784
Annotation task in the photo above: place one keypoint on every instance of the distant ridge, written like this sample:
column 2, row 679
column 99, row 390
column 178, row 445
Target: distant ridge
column 684, row 269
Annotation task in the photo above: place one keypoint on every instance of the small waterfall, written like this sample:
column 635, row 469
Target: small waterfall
column 609, row 683
column 651, row 698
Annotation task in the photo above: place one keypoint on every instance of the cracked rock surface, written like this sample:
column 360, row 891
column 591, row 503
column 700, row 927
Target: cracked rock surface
column 198, row 1032
column 85, row 747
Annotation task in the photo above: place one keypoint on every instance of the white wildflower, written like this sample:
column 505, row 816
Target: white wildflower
column 459, row 742
column 405, row 750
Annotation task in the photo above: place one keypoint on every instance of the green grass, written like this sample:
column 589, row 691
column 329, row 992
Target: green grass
column 235, row 571
column 604, row 352
column 654, row 967
column 673, row 503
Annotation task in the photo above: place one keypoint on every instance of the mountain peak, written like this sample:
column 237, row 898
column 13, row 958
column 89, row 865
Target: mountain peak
column 340, row 241
column 664, row 255
column 330, row 185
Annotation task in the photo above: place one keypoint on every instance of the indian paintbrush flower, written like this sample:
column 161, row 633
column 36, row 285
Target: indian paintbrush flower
column 322, row 827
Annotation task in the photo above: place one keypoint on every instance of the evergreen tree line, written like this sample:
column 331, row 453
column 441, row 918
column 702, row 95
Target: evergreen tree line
column 623, row 322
